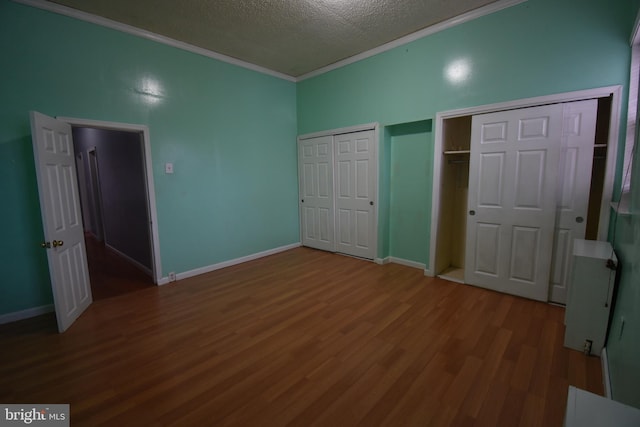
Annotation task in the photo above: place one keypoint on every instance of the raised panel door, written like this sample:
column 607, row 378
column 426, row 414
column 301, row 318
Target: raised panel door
column 512, row 180
column 61, row 217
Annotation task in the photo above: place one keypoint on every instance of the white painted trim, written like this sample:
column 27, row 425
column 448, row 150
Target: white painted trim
column 163, row 281
column 451, row 279
column 340, row 131
column 555, row 98
column 407, row 262
column 610, row 167
column 25, row 314
column 606, row 378
column 138, row 264
column 118, row 26
column 429, row 272
column 612, row 148
column 635, row 34
column 151, row 192
column 376, row 212
column 381, row 261
column 441, row 26
column 98, row 230
column 218, row 266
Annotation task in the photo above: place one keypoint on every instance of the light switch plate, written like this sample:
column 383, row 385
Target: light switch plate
column 168, row 168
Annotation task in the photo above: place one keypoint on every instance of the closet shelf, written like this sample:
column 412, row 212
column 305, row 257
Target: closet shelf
column 457, row 152
column 599, row 145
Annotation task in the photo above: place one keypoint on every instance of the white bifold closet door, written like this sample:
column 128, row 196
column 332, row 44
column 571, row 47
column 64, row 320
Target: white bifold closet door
column 525, row 204
column 337, row 193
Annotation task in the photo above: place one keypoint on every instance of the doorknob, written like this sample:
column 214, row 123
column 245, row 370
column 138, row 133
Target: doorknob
column 45, row 245
column 371, row 203
column 302, row 200
column 57, row 243
column 472, row 212
column 579, row 219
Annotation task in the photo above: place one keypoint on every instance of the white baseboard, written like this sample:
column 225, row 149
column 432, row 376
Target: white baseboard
column 606, row 379
column 395, row 260
column 428, row 272
column 218, row 266
column 138, row 264
column 407, row 262
column 25, row 314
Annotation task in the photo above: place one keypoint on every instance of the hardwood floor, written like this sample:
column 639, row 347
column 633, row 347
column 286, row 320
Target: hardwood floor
column 302, row 338
column 110, row 274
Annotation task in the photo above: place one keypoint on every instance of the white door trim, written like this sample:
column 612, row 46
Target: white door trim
column 375, row 126
column 612, row 150
column 97, row 220
column 339, row 131
column 151, row 193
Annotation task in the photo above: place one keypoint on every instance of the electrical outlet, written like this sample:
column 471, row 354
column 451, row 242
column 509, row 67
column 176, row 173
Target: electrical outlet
column 172, row 276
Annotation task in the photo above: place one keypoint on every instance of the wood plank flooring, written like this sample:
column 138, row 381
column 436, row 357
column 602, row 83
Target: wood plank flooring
column 302, row 338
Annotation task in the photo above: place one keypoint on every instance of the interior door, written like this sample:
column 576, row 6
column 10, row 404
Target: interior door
column 61, row 217
column 512, row 198
column 574, row 183
column 315, row 163
column 355, row 194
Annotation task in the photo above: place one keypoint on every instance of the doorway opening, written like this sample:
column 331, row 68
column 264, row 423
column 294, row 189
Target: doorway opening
column 118, row 206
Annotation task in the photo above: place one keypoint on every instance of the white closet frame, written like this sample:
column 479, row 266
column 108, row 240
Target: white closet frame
column 612, row 151
column 375, row 126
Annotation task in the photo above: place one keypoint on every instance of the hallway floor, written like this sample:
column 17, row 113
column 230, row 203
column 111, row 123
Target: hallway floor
column 110, row 274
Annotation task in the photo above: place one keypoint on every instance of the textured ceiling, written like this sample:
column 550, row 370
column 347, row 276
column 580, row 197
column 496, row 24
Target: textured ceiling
column 293, row 37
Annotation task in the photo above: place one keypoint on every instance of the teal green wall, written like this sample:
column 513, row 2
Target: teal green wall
column 623, row 342
column 410, row 153
column 539, row 47
column 230, row 133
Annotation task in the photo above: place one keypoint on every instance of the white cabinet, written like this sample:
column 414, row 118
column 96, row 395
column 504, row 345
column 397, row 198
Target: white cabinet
column 586, row 409
column 590, row 295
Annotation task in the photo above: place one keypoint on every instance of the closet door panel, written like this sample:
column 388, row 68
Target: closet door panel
column 512, row 179
column 574, row 185
column 355, row 198
column 315, row 170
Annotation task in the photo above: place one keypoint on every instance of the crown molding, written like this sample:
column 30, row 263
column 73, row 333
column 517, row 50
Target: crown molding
column 441, row 26
column 129, row 29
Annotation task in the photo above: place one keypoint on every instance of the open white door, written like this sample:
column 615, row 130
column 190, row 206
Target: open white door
column 512, row 199
column 61, row 217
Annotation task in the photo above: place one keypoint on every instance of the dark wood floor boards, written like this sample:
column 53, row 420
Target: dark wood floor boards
column 302, row 338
